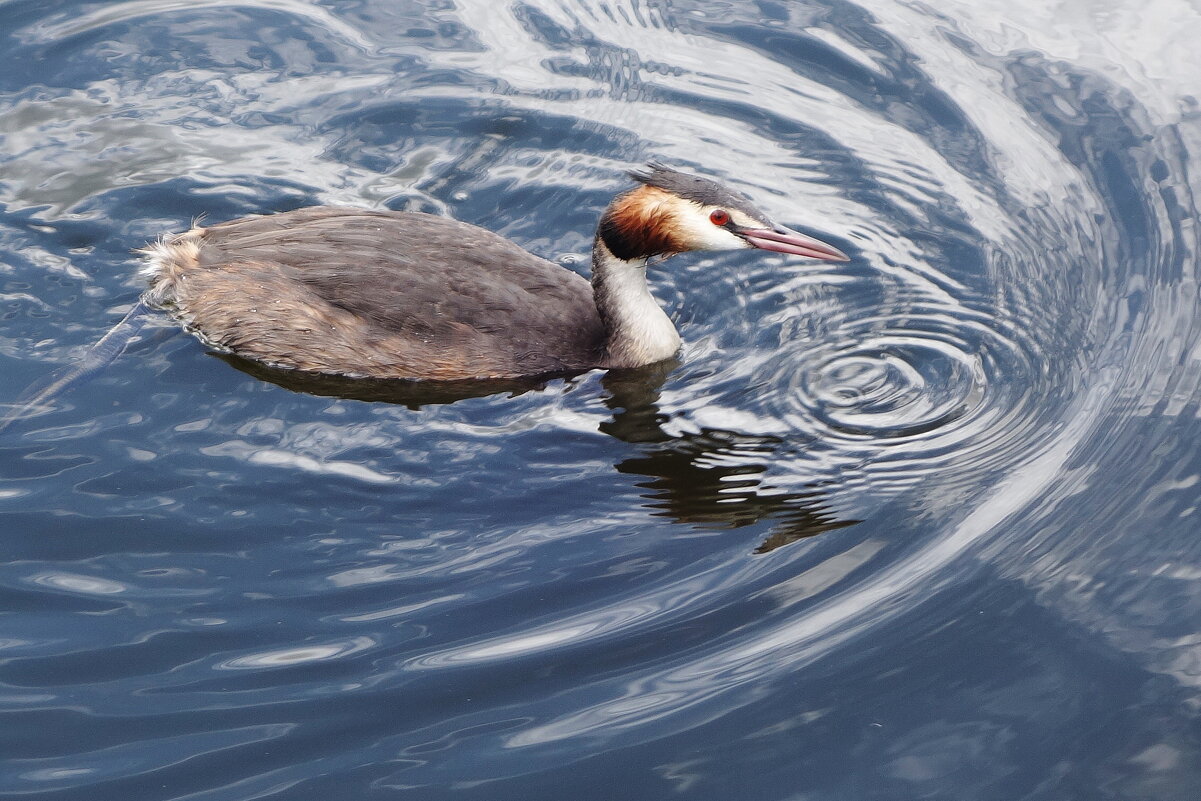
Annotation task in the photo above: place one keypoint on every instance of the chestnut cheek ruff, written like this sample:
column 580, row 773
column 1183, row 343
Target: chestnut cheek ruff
column 639, row 224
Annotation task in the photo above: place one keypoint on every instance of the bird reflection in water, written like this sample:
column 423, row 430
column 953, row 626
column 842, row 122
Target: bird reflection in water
column 709, row 480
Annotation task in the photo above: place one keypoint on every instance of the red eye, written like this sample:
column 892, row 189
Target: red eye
column 719, row 216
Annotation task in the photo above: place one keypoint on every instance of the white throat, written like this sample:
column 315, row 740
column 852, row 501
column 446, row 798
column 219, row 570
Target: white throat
column 639, row 330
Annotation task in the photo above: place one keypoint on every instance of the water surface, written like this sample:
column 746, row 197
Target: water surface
column 923, row 525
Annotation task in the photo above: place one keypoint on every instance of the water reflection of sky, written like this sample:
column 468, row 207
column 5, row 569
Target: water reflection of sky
column 917, row 526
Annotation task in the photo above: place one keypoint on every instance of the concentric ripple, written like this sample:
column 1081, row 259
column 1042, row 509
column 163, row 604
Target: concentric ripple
column 894, row 386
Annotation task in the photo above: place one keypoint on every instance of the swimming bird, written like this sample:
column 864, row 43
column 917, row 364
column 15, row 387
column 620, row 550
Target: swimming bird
column 396, row 294
column 353, row 293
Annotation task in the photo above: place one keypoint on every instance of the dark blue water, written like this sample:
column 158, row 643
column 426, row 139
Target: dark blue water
column 921, row 526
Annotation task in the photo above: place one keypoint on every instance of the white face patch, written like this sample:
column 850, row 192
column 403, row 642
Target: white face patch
column 694, row 228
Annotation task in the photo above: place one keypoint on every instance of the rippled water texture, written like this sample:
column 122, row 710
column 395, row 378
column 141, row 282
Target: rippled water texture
column 923, row 525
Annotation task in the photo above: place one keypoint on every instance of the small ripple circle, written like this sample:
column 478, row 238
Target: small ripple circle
column 893, row 386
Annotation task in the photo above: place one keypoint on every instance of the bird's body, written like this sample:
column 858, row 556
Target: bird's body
column 387, row 294
column 275, row 289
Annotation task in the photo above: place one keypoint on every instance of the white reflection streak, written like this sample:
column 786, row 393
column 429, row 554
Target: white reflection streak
column 109, row 13
column 289, row 657
column 398, row 611
column 691, row 592
column 530, row 642
column 90, row 585
column 277, row 457
column 591, row 624
column 802, row 641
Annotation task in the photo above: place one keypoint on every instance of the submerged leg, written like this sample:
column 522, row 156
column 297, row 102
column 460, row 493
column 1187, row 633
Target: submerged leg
column 39, row 394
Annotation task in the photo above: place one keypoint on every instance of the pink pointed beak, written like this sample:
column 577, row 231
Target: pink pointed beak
column 785, row 240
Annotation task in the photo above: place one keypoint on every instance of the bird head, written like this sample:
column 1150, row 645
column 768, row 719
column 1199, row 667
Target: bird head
column 674, row 212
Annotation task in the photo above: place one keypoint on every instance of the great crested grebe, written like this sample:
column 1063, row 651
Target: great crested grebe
column 394, row 294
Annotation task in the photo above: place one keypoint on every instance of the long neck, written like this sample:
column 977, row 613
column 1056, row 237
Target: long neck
column 638, row 330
